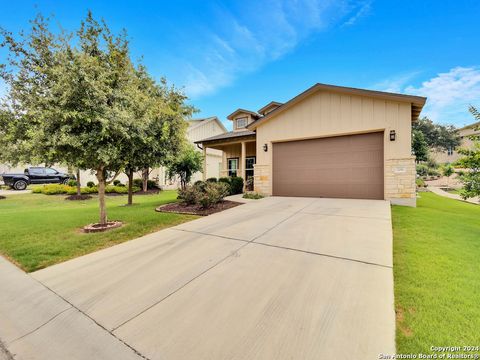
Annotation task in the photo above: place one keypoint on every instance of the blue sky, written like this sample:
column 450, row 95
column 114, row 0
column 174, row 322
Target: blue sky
column 231, row 54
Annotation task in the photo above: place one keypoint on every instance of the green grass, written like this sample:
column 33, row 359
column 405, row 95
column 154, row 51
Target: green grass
column 437, row 274
column 37, row 230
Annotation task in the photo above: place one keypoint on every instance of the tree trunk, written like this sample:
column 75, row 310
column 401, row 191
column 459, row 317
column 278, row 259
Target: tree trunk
column 101, row 196
column 79, row 190
column 145, row 173
column 130, row 187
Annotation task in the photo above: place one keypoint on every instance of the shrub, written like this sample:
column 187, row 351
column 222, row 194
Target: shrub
column 189, row 196
column 225, row 180
column 90, row 184
column 37, row 189
column 213, row 193
column 422, row 170
column 420, row 183
column 71, row 182
column 236, row 185
column 117, row 182
column 200, row 185
column 433, row 172
column 212, row 179
column 151, row 184
column 254, row 196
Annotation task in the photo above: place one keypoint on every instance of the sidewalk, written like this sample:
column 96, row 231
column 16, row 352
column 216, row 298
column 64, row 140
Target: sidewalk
column 438, row 191
column 36, row 323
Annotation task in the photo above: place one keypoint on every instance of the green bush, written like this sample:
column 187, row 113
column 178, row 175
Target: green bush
column 212, row 194
column 151, row 184
column 422, row 170
column 420, row 182
column 190, row 195
column 212, row 179
column 90, row 184
column 71, row 182
column 56, row 189
column 251, row 195
column 37, row 190
column 225, row 180
column 117, row 182
column 236, row 185
column 433, row 172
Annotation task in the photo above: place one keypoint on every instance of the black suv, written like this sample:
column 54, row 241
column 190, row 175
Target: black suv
column 35, row 175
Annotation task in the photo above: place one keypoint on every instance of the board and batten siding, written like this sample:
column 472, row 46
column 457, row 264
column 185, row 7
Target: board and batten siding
column 328, row 113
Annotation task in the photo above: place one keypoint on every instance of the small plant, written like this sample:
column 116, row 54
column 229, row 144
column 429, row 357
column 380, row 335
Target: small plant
column 236, row 185
column 151, row 184
column 212, row 179
column 252, row 195
column 212, row 194
column 72, row 182
column 422, row 170
column 90, row 184
column 189, row 196
column 117, row 182
column 420, row 182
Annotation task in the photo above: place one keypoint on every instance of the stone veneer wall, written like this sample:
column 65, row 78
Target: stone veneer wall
column 400, row 187
column 262, row 179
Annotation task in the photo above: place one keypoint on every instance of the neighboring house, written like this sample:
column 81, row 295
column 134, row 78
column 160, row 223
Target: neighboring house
column 329, row 141
column 197, row 129
column 452, row 155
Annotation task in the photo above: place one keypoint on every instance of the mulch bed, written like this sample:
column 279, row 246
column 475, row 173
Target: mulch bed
column 78, row 197
column 197, row 209
column 94, row 228
column 148, row 192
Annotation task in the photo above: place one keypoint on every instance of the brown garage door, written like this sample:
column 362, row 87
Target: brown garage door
column 338, row 167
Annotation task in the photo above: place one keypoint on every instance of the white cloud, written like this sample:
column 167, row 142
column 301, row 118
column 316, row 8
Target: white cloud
column 449, row 95
column 395, row 84
column 363, row 11
column 241, row 41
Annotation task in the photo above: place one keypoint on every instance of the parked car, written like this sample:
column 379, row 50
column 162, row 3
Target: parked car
column 35, row 175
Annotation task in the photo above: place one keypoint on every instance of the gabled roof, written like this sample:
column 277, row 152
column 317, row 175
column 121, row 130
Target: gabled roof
column 240, row 111
column 417, row 101
column 270, row 105
column 194, row 123
column 226, row 136
column 471, row 126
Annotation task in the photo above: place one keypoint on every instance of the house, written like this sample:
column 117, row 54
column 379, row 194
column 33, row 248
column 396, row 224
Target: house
column 452, row 155
column 328, row 141
column 197, row 129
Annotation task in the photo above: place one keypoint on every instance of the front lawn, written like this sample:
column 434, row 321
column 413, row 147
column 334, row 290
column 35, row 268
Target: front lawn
column 437, row 274
column 38, row 230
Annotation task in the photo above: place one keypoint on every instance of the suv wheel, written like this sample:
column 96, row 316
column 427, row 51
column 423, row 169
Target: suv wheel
column 20, row 185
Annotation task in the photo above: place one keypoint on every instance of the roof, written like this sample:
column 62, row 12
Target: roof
column 268, row 106
column 228, row 135
column 194, row 123
column 471, row 126
column 238, row 111
column 417, row 101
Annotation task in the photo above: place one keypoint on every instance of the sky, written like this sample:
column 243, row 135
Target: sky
column 243, row 54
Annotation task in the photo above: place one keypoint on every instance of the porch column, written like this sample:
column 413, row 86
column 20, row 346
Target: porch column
column 224, row 172
column 204, row 174
column 242, row 162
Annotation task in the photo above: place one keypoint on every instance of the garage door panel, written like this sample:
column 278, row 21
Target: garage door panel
column 344, row 167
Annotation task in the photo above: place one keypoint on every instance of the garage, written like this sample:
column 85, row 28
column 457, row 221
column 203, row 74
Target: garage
column 337, row 167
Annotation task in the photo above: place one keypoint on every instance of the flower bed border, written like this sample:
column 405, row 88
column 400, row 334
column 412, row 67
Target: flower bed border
column 176, row 208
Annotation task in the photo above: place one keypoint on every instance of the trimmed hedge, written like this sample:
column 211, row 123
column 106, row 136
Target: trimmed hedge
column 57, row 189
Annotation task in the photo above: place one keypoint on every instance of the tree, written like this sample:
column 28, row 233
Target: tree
column 439, row 137
column 448, row 171
column 163, row 110
column 188, row 163
column 70, row 99
column 471, row 163
column 419, row 146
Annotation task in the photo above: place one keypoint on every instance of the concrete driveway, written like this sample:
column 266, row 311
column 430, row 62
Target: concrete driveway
column 278, row 278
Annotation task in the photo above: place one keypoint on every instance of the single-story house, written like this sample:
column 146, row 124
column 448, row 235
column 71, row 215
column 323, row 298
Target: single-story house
column 328, row 141
column 452, row 155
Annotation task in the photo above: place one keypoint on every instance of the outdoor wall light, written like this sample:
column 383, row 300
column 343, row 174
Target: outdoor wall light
column 265, row 147
column 393, row 135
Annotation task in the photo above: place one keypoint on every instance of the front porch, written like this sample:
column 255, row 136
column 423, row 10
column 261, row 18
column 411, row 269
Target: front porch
column 238, row 155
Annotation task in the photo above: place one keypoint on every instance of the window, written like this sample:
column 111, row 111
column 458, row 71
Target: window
column 450, row 151
column 232, row 166
column 36, row 171
column 240, row 122
column 50, row 171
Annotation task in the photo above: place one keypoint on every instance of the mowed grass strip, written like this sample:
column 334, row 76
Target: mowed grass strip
column 437, row 274
column 37, row 230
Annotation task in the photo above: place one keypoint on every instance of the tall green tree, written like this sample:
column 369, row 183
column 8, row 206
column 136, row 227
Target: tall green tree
column 439, row 137
column 471, row 163
column 419, row 146
column 185, row 165
column 71, row 99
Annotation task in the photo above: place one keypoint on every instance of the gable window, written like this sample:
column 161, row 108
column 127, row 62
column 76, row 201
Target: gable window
column 232, row 166
column 240, row 122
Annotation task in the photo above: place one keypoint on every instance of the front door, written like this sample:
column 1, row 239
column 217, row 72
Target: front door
column 249, row 162
column 232, row 166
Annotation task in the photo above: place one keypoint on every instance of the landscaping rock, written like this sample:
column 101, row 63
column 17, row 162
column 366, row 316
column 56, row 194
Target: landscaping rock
column 94, row 228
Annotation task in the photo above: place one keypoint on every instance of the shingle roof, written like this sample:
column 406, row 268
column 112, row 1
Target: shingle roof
column 228, row 135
